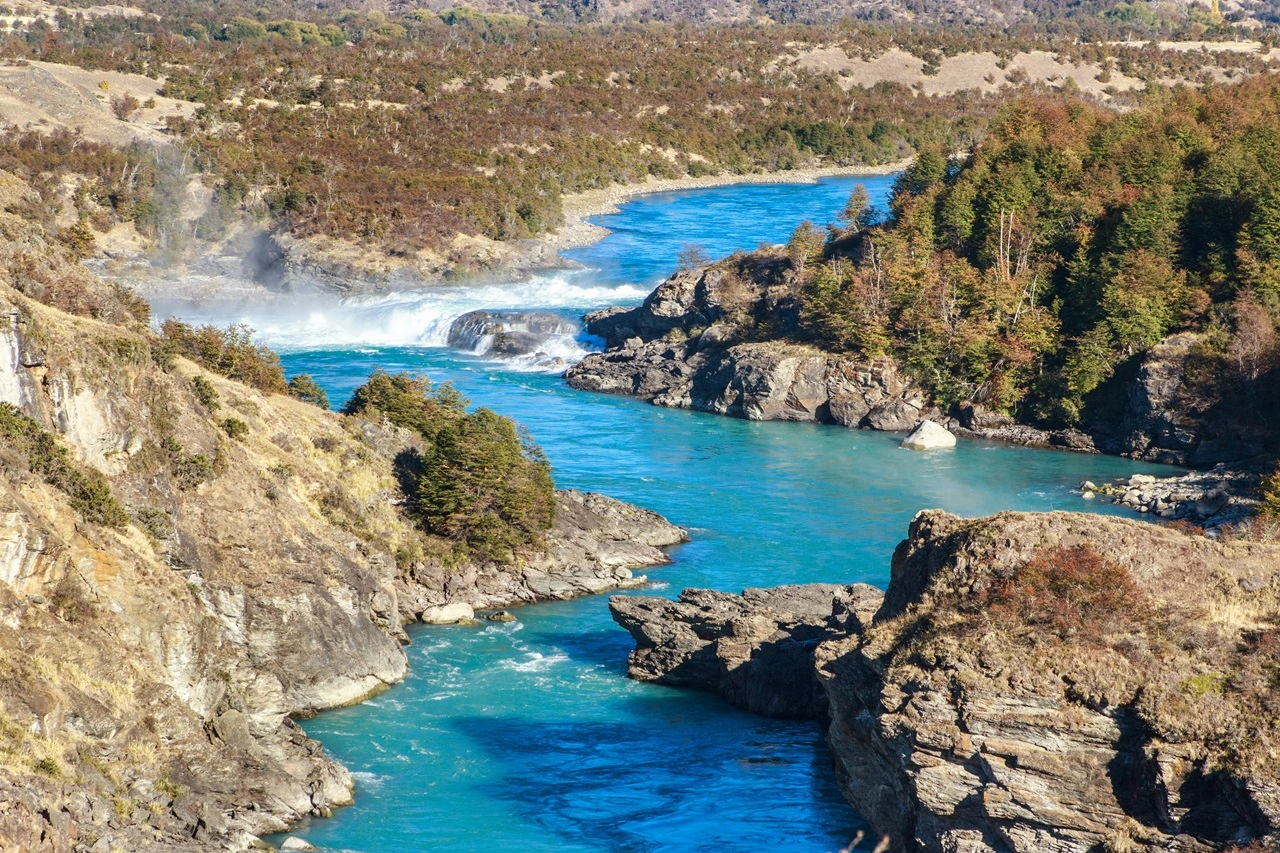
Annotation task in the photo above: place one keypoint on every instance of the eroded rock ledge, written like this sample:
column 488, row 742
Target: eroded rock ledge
column 958, row 722
column 731, row 342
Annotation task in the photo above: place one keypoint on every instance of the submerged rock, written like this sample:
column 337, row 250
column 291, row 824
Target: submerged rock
column 928, row 436
column 499, row 616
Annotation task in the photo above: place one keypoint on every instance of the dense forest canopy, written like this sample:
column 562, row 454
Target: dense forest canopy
column 1041, row 266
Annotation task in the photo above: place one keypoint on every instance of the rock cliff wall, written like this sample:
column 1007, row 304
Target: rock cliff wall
column 719, row 340
column 149, row 671
column 969, row 714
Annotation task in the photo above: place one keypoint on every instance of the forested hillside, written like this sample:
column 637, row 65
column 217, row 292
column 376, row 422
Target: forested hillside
column 1032, row 274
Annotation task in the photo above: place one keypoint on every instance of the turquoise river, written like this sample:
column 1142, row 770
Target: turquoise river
column 528, row 736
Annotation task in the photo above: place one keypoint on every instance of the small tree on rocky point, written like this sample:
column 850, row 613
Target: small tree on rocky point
column 486, row 486
column 691, row 257
column 858, row 214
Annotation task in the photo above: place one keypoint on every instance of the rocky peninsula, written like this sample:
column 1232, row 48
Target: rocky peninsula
column 731, row 342
column 729, row 339
column 1027, row 682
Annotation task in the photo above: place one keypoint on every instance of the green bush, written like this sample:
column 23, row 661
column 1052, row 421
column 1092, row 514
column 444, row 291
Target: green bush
column 188, row 471
column 229, row 352
column 486, row 486
column 89, row 491
column 205, row 392
column 1270, row 504
column 483, row 484
column 235, row 428
column 407, row 401
column 304, row 388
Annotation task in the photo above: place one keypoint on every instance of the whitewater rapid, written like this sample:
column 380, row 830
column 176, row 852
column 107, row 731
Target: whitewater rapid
column 417, row 318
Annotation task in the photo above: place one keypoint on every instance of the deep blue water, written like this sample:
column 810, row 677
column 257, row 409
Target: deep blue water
column 528, row 735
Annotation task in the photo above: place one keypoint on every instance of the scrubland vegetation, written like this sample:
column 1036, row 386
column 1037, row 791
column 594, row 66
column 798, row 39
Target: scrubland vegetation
column 404, row 130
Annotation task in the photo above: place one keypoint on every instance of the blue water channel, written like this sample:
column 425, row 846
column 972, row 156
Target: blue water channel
column 528, row 736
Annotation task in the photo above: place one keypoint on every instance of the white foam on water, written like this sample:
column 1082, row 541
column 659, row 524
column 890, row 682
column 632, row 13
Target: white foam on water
column 369, row 780
column 414, row 318
column 536, row 662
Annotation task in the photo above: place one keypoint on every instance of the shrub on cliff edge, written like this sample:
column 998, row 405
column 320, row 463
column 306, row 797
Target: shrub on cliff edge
column 482, row 484
column 1074, row 593
column 1270, row 503
column 303, row 387
column 40, row 451
column 229, row 352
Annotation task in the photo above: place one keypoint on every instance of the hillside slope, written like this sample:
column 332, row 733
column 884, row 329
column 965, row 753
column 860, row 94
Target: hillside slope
column 188, row 561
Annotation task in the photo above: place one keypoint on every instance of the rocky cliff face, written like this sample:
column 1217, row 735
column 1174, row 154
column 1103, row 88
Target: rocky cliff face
column 694, row 344
column 723, row 339
column 984, row 709
column 150, row 664
column 1173, row 414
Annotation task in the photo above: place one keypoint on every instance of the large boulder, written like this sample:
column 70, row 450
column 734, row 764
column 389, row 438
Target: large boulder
column 508, row 334
column 928, row 436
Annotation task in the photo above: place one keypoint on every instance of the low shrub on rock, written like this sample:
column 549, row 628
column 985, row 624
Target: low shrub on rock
column 32, row 445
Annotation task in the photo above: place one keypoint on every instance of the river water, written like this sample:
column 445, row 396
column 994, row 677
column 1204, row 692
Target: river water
column 528, row 736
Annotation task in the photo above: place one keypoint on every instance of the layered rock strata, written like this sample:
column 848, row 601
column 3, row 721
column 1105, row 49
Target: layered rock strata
column 967, row 716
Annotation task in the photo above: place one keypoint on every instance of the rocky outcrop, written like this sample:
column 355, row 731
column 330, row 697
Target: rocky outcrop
column 506, row 334
column 755, row 650
column 974, row 712
column 595, row 544
column 714, row 341
column 690, row 346
column 150, row 670
column 1157, row 423
column 1172, row 414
